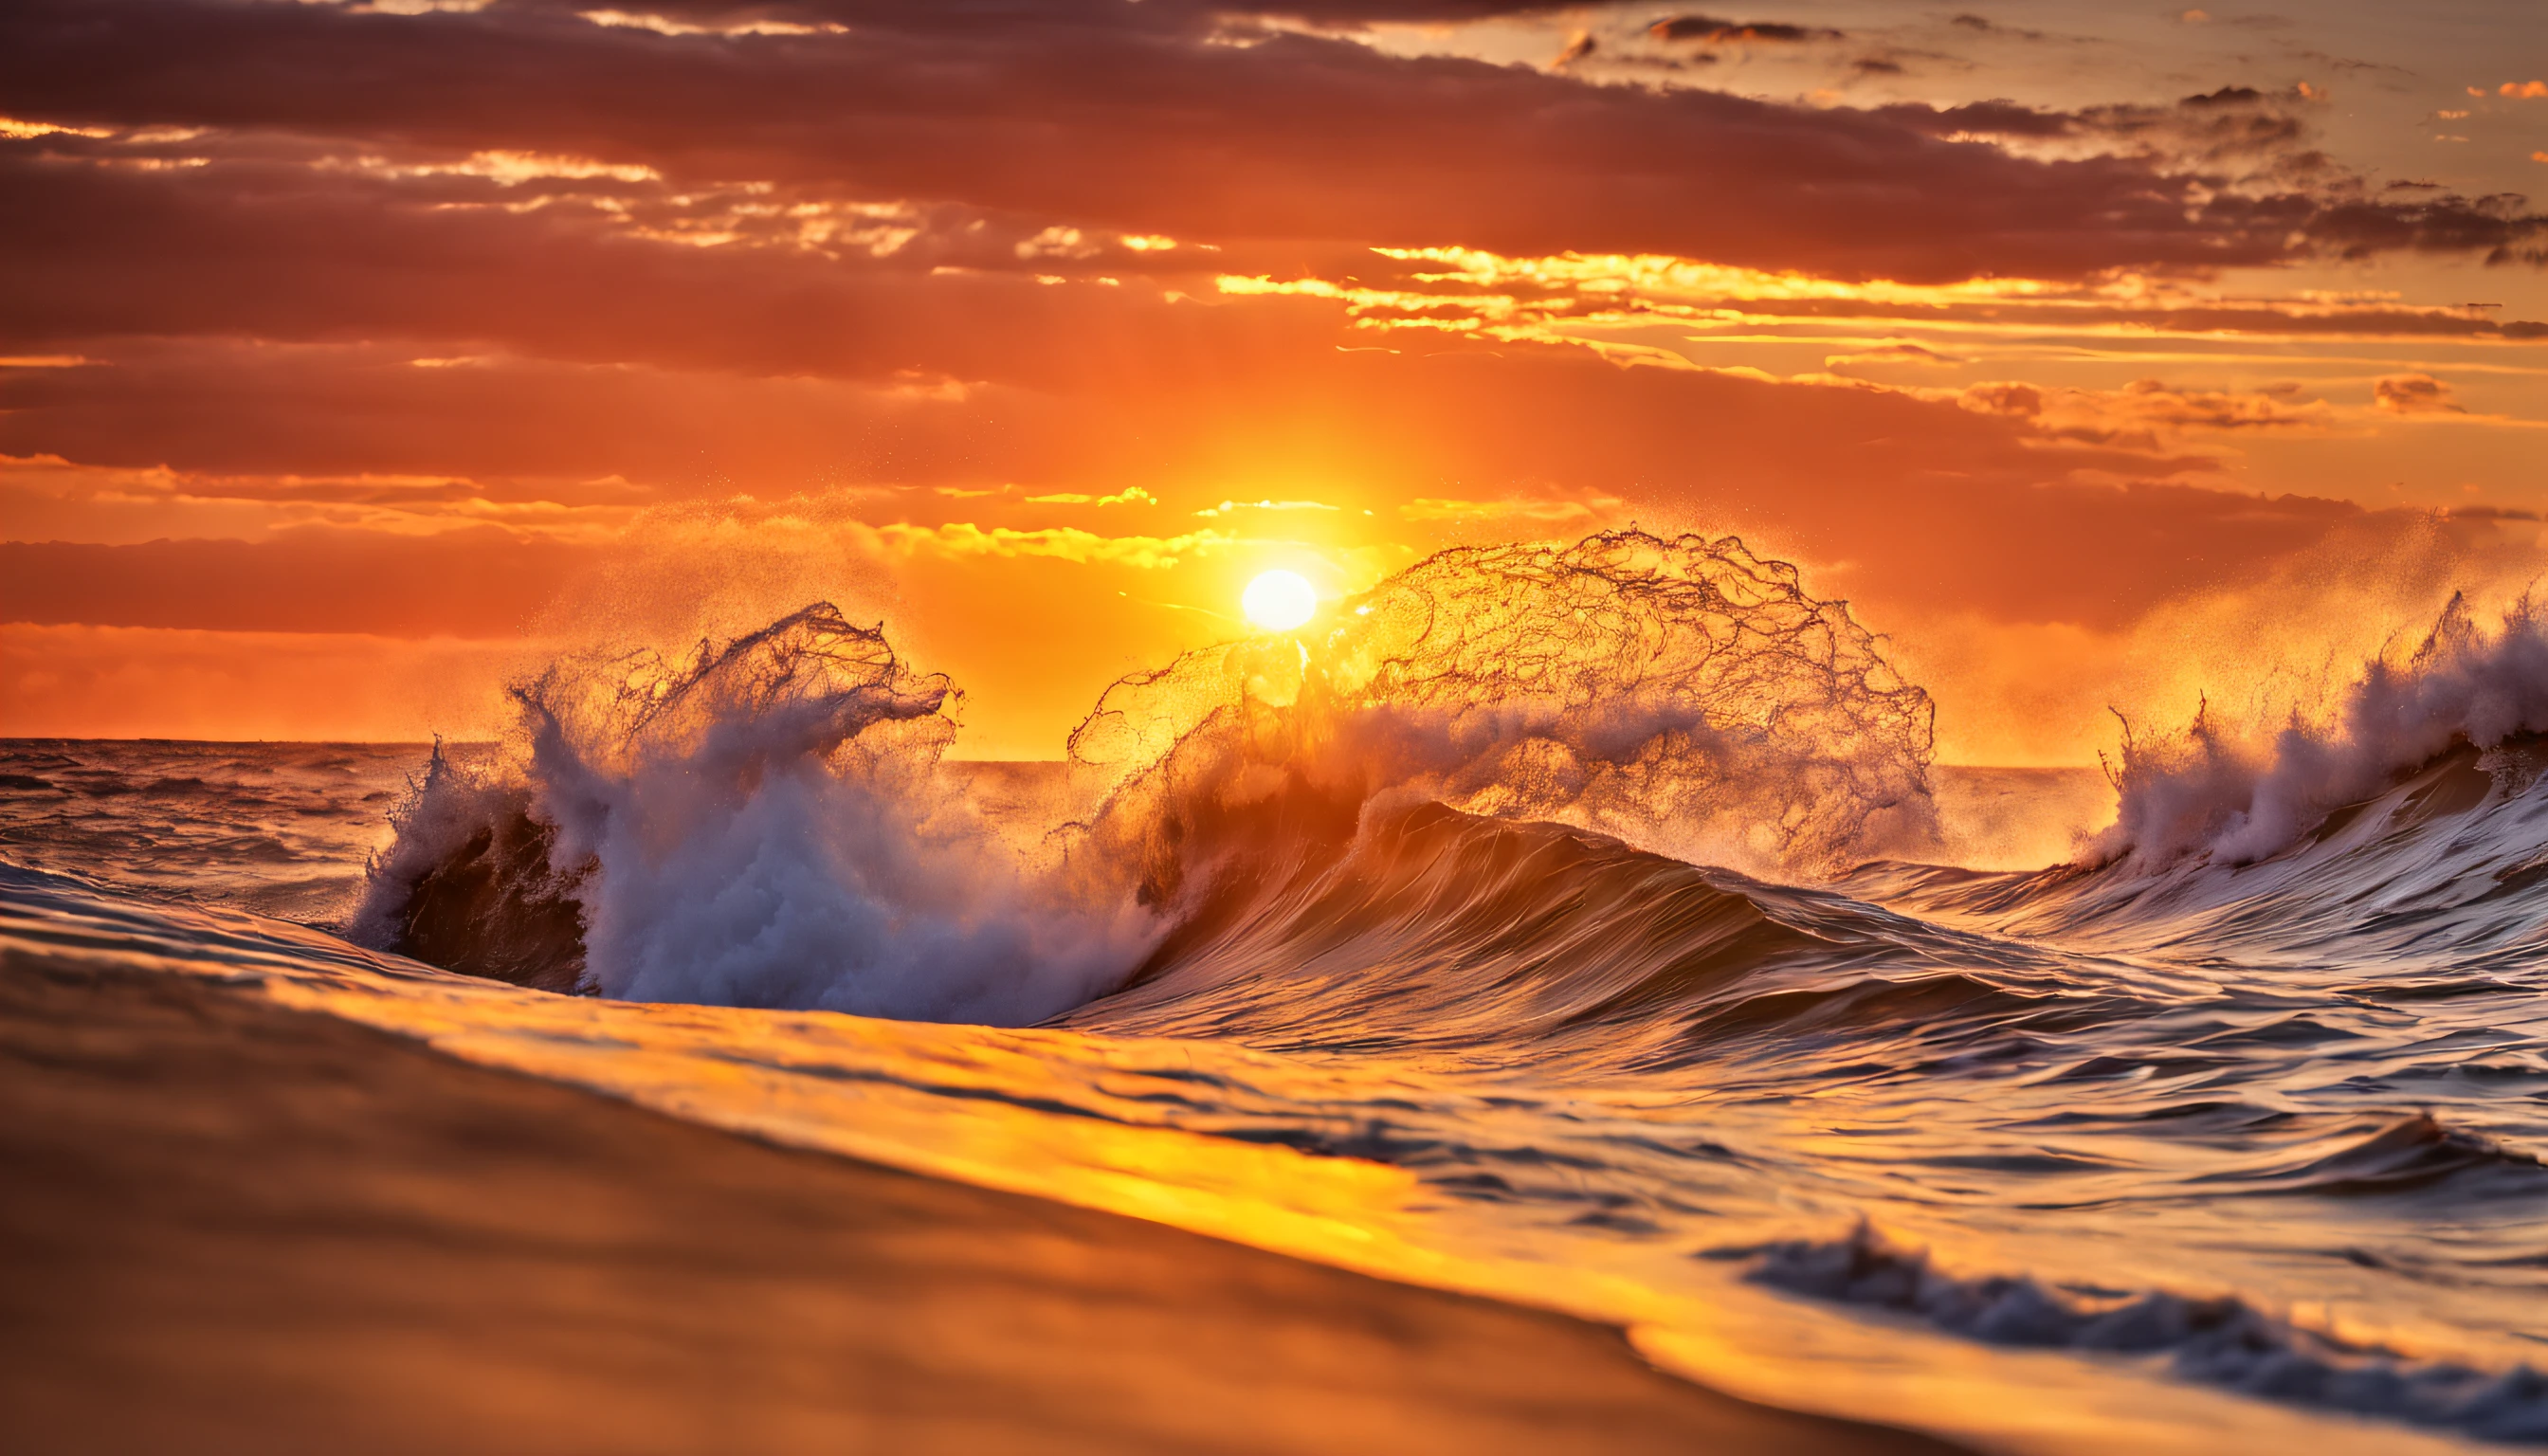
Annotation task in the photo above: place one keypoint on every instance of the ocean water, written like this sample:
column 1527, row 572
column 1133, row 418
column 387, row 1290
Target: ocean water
column 1585, row 927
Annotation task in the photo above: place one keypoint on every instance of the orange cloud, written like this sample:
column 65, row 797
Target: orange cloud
column 1059, row 543
column 1517, row 509
column 2414, row 393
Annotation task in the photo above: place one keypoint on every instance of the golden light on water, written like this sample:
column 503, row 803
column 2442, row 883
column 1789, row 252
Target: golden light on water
column 1279, row 601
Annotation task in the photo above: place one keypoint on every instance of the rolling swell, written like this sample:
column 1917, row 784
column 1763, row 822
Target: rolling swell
column 1429, row 931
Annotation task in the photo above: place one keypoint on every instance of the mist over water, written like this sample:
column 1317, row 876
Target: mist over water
column 1608, row 893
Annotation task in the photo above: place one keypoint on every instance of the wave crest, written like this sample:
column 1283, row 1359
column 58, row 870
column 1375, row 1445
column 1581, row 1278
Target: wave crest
column 1682, row 694
column 2213, row 793
column 759, row 825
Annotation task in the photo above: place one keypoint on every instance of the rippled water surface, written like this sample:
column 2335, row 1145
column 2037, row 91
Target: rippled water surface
column 2079, row 1160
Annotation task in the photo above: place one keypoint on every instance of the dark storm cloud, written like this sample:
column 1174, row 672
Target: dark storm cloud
column 1149, row 119
column 1709, row 31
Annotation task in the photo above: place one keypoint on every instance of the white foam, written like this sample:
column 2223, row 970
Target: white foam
column 2235, row 798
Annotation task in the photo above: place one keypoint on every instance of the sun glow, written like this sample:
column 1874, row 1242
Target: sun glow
column 1279, row 601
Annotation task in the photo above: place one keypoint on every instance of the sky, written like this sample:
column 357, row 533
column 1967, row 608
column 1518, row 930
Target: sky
column 357, row 358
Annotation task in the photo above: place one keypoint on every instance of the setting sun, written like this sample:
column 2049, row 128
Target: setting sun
column 1279, row 601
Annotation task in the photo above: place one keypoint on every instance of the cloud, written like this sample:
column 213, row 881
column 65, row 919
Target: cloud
column 1063, row 543
column 1894, row 353
column 1173, row 132
column 1525, row 511
column 1129, row 496
column 1230, row 508
column 2414, row 393
column 2144, row 411
column 1707, row 31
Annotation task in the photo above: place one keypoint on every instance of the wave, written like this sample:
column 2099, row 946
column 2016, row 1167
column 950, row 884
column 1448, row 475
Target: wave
column 1682, row 694
column 2232, row 799
column 765, row 822
column 1431, row 931
column 2403, row 829
column 2221, row 1340
column 758, row 825
column 2400, row 1154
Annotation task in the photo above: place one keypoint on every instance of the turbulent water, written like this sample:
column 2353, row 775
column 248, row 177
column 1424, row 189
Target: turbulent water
column 1582, row 926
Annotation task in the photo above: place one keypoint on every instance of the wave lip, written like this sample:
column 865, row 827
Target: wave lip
column 2221, row 1340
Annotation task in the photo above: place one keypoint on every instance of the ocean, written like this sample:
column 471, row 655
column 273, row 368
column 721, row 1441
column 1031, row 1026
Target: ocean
column 1585, row 926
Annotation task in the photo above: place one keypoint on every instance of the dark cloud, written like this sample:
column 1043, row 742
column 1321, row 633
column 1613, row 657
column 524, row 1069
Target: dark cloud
column 1141, row 119
column 2501, row 228
column 1709, row 31
column 2414, row 393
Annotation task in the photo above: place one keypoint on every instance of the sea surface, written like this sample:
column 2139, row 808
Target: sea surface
column 1587, row 928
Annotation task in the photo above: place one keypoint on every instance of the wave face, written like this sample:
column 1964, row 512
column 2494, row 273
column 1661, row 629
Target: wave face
column 1606, row 894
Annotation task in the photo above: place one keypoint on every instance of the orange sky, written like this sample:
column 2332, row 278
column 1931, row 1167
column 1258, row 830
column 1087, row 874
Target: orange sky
column 354, row 357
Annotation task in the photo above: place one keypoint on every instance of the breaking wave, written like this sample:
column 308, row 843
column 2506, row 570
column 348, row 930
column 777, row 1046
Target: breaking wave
column 758, row 825
column 1684, row 695
column 2228, row 799
column 767, row 822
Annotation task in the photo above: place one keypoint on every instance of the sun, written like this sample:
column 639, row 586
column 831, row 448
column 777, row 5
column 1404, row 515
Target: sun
column 1279, row 601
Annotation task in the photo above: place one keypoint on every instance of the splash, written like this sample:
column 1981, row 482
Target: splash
column 2215, row 794
column 759, row 825
column 1683, row 694
column 765, row 822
